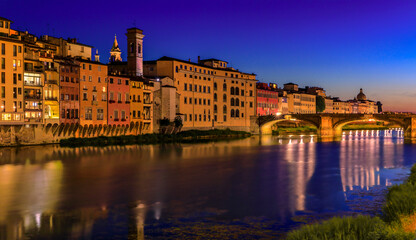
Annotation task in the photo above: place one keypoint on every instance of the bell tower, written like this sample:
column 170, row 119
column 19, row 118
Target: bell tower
column 115, row 53
column 135, row 51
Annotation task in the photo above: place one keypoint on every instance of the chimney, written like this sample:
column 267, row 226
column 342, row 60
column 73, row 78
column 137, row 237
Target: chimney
column 189, row 60
column 199, row 59
column 97, row 57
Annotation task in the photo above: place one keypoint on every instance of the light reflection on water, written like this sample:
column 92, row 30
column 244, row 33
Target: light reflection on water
column 136, row 191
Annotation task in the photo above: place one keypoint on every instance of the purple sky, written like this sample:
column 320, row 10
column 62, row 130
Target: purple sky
column 340, row 45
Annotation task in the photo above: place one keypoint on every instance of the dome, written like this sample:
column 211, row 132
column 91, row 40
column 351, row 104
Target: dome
column 361, row 96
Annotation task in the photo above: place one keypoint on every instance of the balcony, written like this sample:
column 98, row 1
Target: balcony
column 147, row 102
column 123, row 119
column 55, row 82
column 32, row 97
column 111, row 101
column 116, row 119
column 49, row 98
column 127, row 102
column 119, row 101
column 34, row 84
column 31, row 56
column 52, row 69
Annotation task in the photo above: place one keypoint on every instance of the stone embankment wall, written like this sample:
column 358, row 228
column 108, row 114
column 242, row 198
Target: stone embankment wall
column 47, row 134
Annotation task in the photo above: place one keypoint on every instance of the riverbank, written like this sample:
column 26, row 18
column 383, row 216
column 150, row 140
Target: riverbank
column 313, row 129
column 397, row 220
column 191, row 136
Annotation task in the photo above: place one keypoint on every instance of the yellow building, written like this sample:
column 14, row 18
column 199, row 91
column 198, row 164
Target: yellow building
column 212, row 95
column 75, row 49
column 301, row 103
column 141, row 104
column 11, row 75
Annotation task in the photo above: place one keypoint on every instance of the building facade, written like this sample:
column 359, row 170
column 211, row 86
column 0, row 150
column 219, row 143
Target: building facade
column 212, row 95
column 267, row 99
column 118, row 100
column 69, row 91
column 93, row 93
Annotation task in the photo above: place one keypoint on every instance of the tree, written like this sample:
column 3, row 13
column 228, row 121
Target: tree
column 320, row 104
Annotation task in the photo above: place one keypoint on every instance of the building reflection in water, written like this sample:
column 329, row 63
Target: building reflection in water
column 93, row 192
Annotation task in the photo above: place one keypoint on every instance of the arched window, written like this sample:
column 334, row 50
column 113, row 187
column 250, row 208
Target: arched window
column 131, row 48
column 237, row 113
column 215, row 86
column 224, row 109
column 232, row 91
column 232, row 112
column 224, row 98
column 237, row 102
column 242, row 92
column 237, row 91
column 139, row 48
column 224, row 87
column 215, row 108
column 215, row 97
column 232, row 101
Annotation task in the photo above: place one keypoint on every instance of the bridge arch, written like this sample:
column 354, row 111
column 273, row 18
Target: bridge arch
column 267, row 127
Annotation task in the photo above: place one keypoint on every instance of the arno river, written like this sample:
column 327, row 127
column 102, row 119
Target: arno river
column 237, row 189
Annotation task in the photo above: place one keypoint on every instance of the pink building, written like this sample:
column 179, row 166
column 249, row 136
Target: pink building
column 118, row 100
column 267, row 99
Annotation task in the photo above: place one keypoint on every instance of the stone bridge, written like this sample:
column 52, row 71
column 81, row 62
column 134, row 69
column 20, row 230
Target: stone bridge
column 330, row 125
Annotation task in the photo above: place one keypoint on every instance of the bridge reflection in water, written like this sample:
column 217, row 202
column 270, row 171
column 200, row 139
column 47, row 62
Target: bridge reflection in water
column 122, row 191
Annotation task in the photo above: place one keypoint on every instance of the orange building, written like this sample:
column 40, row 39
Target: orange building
column 11, row 75
column 212, row 95
column 118, row 100
column 93, row 93
column 69, row 90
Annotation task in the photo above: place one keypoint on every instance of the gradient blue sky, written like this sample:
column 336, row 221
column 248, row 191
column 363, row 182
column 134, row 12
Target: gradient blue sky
column 340, row 45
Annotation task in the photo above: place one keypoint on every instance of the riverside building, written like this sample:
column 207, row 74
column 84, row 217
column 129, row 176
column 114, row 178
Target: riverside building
column 212, row 95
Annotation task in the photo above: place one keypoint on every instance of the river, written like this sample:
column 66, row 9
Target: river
column 240, row 189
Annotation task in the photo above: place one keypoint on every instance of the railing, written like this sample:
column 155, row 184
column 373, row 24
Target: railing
column 37, row 84
column 51, row 98
column 111, row 101
column 52, row 82
column 31, row 56
column 36, row 97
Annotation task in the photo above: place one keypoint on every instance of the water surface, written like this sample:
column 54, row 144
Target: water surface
column 243, row 189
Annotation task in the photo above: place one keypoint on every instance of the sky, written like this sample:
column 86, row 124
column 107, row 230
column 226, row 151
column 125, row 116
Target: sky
column 340, row 45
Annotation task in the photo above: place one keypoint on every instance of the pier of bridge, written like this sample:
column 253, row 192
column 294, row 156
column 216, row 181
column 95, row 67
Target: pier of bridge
column 330, row 125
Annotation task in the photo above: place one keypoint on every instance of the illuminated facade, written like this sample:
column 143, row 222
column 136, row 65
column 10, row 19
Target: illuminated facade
column 267, row 99
column 93, row 93
column 11, row 75
column 69, row 91
column 118, row 100
column 212, row 95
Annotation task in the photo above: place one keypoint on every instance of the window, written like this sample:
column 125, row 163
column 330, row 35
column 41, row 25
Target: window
column 3, row 77
column 225, row 118
column 232, row 112
column 190, row 115
column 224, row 87
column 237, row 102
column 185, row 100
column 139, row 48
column 84, row 96
column 237, row 113
column 3, row 48
column 215, row 109
column 251, row 104
column 19, row 49
column 100, row 114
column 89, row 67
column 209, row 89
column 251, row 93
column 242, row 92
column 3, row 63
column 88, row 113
column 14, row 51
column 237, row 91
column 185, row 87
column 232, row 91
column 123, row 115
column 232, row 101
column 224, row 109
column 224, row 98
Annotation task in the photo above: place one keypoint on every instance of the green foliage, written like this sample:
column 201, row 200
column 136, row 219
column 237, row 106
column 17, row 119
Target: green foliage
column 401, row 200
column 352, row 228
column 320, row 104
column 184, row 137
column 282, row 130
column 364, row 127
column 178, row 122
column 164, row 122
